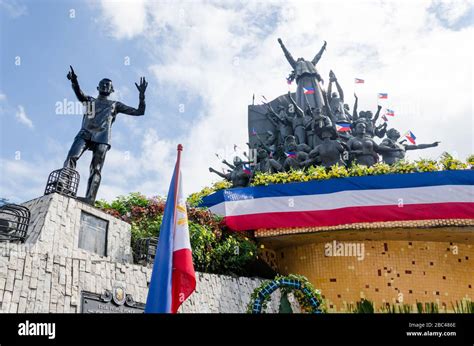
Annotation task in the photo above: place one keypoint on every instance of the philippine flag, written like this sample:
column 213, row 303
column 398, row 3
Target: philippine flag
column 359, row 81
column 411, row 137
column 173, row 278
column 383, row 96
column 308, row 91
column 390, row 113
column 247, row 170
column 343, row 127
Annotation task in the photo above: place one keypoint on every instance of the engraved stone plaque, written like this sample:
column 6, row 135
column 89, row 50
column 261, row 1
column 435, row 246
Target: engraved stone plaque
column 115, row 302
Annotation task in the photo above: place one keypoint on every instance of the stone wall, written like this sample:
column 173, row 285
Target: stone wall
column 49, row 272
column 45, row 282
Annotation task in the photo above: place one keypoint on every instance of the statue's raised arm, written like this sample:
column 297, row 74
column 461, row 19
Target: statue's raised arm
column 124, row 109
column 222, row 175
column 320, row 54
column 333, row 78
column 288, row 55
column 421, row 146
column 228, row 164
column 327, row 107
column 377, row 114
column 75, row 85
column 355, row 116
column 271, row 110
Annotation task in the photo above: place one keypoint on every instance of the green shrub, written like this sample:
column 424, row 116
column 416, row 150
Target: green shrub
column 215, row 249
column 448, row 162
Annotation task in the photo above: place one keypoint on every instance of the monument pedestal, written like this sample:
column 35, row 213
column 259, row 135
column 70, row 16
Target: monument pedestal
column 67, row 227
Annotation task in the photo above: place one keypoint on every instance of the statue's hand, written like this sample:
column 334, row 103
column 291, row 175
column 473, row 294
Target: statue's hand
column 280, row 41
column 210, row 169
column 71, row 75
column 325, row 44
column 142, row 87
column 435, row 144
column 355, row 95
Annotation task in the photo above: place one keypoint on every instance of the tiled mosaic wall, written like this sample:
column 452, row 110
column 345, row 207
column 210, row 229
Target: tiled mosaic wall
column 388, row 271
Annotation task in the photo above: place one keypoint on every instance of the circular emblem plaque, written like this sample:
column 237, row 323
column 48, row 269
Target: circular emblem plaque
column 119, row 295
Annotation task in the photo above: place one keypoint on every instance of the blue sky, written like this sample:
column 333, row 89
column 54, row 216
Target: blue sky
column 47, row 40
column 204, row 60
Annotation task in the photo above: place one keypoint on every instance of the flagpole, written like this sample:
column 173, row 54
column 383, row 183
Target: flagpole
column 177, row 168
column 176, row 184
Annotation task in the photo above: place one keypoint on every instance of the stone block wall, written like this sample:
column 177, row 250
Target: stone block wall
column 55, row 223
column 48, row 273
column 45, row 282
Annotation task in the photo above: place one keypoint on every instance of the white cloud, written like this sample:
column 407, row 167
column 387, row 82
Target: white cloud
column 23, row 179
column 14, row 8
column 22, row 117
column 451, row 11
column 126, row 18
column 222, row 53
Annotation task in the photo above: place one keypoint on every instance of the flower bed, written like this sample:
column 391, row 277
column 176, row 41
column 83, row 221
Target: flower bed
column 446, row 162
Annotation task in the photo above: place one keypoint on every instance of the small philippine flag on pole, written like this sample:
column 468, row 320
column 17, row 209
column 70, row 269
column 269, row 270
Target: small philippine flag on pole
column 247, row 170
column 411, row 137
column 384, row 118
column 383, row 96
column 173, row 278
column 359, row 81
column 343, row 127
column 308, row 91
column 390, row 112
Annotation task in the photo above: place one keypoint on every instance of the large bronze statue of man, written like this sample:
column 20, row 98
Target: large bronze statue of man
column 96, row 127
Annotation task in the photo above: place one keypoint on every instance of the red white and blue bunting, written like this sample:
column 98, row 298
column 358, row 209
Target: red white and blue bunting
column 391, row 197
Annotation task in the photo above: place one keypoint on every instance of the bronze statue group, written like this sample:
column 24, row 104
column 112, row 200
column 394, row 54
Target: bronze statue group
column 314, row 128
column 317, row 128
